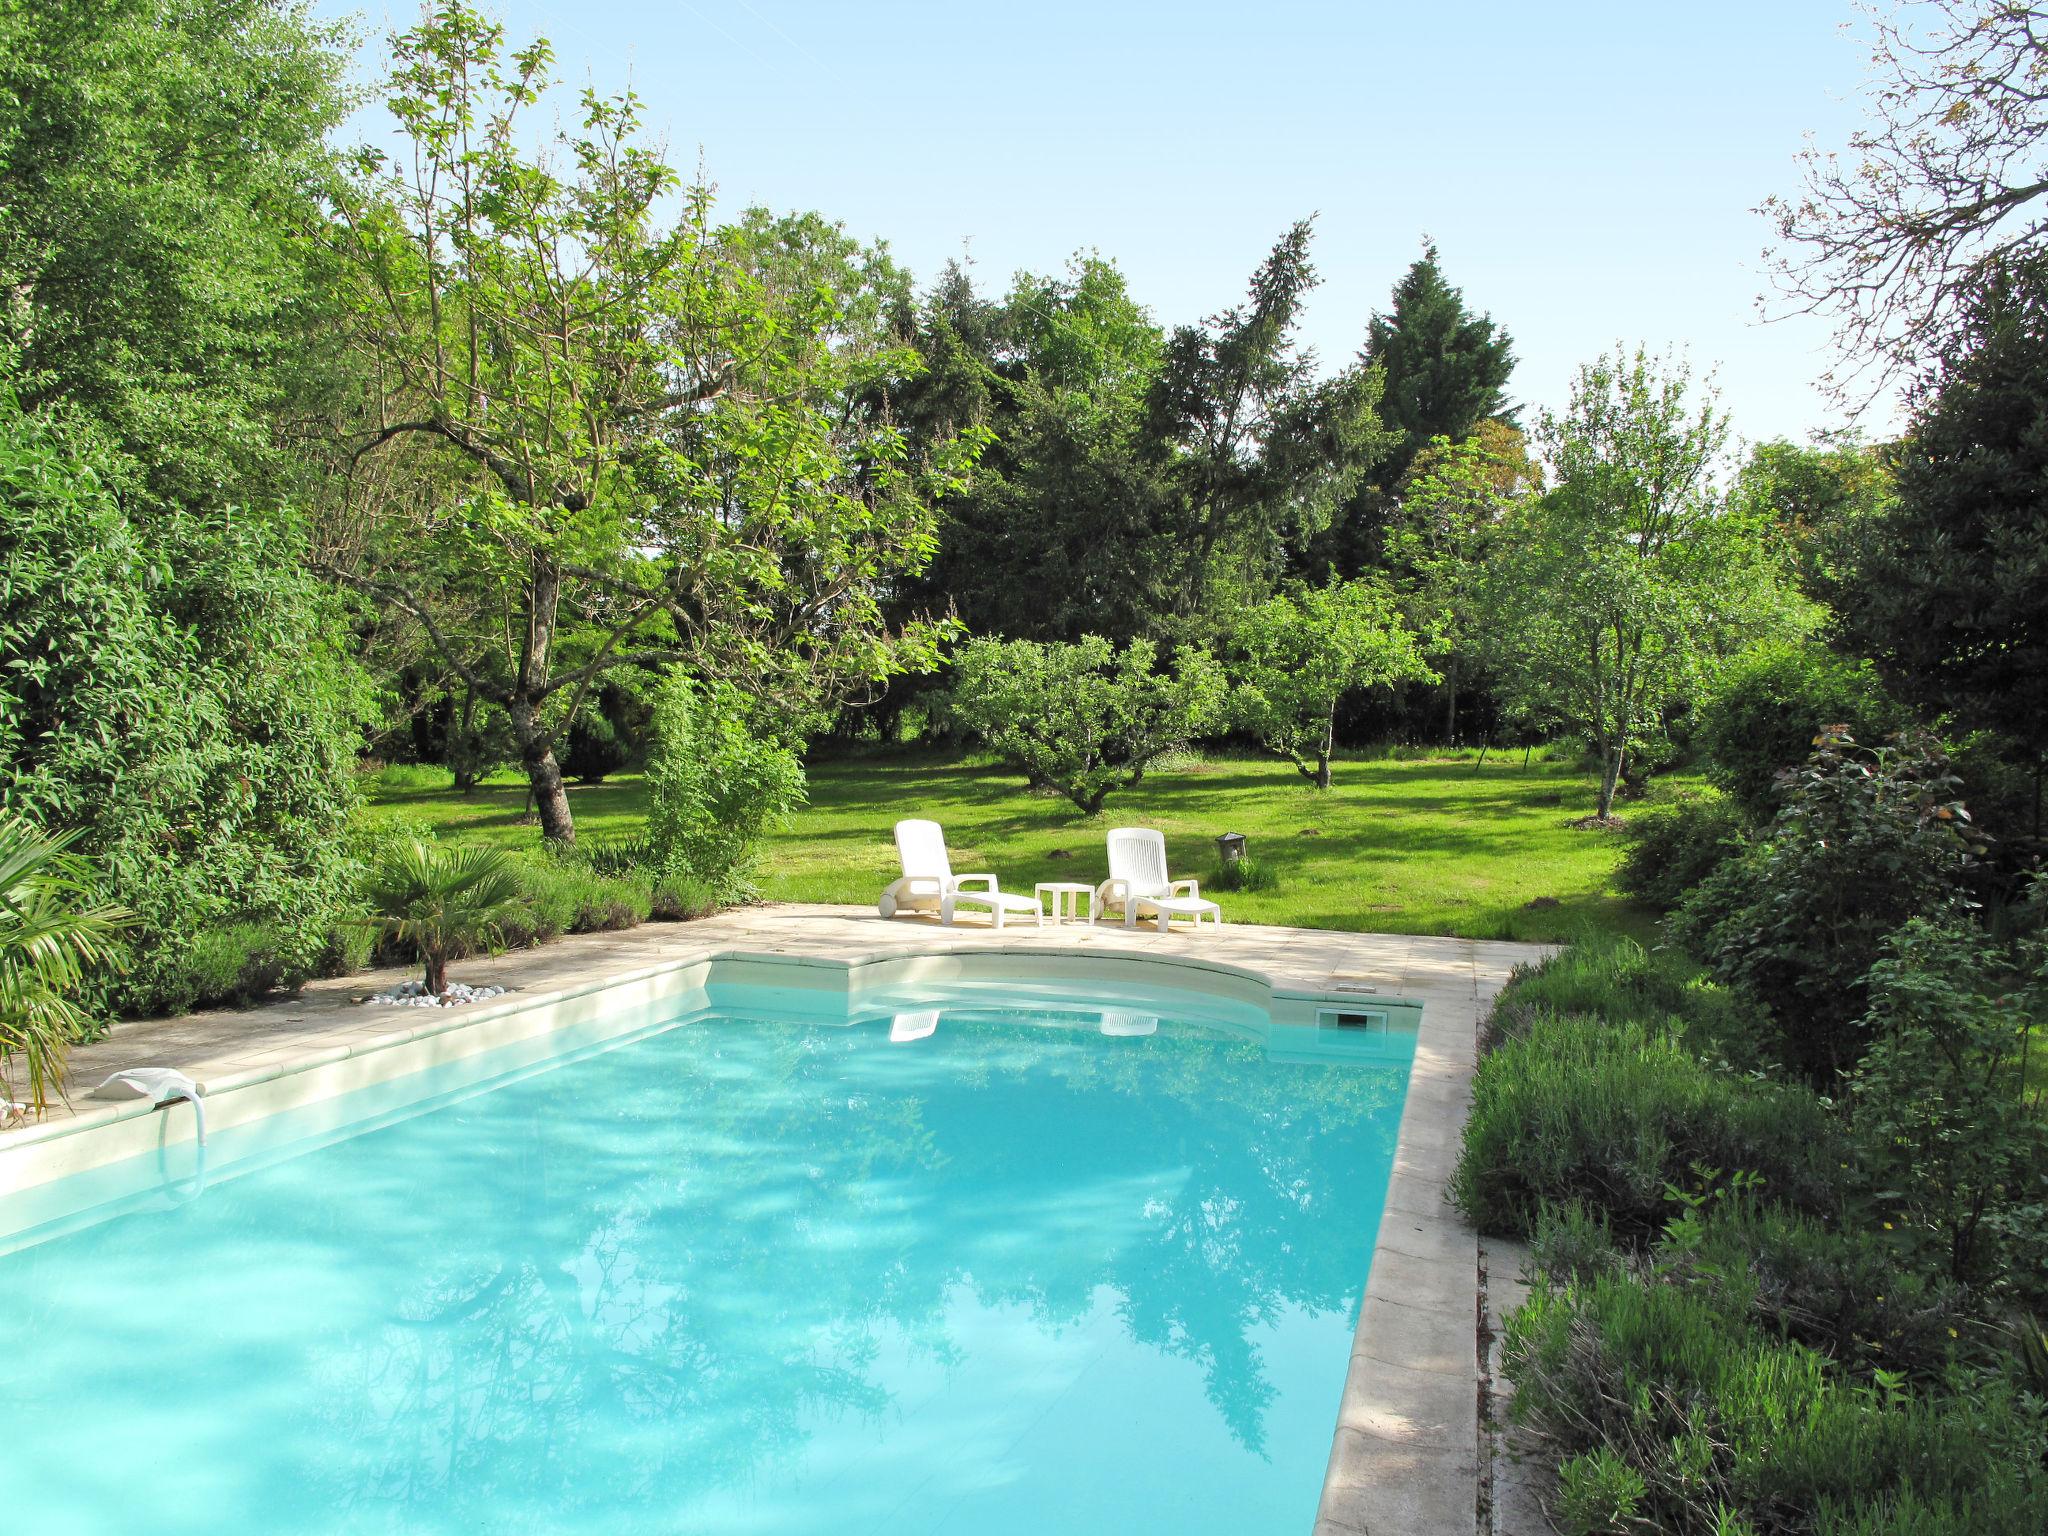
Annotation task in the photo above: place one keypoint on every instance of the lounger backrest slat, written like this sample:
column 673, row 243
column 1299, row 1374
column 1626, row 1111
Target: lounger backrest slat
column 921, row 845
column 1137, row 856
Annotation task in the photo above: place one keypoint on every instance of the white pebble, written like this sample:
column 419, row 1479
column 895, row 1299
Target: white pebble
column 414, row 994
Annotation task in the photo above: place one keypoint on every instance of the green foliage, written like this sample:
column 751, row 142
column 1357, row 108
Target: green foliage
column 1255, row 450
column 716, row 782
column 592, row 750
column 1298, row 655
column 1614, row 977
column 1612, row 1113
column 648, row 438
column 1844, row 1287
column 1824, row 501
column 1616, row 597
column 1452, row 507
column 1244, row 873
column 53, row 930
column 1951, row 594
column 1731, row 1428
column 1867, row 839
column 1598, row 1494
column 1446, row 371
column 158, row 164
column 170, row 683
column 1085, row 719
column 440, row 901
column 561, row 892
column 1956, row 1154
column 1768, row 710
column 1672, row 848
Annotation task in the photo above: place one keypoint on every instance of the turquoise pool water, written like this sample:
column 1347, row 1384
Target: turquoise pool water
column 950, row 1267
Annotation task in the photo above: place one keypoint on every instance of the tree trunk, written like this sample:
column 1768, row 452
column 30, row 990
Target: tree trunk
column 1450, row 704
column 543, row 776
column 1323, row 757
column 1610, row 776
column 550, row 799
column 536, row 753
column 437, row 972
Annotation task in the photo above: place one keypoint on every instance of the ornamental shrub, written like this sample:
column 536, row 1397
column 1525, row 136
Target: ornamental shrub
column 171, row 684
column 1672, row 848
column 1951, row 1146
column 1867, row 840
column 1729, row 1428
column 1769, row 710
column 716, row 781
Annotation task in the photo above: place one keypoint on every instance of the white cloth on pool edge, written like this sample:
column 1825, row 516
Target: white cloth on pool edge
column 160, row 1085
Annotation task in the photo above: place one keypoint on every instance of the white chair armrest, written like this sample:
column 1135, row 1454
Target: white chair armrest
column 961, row 882
column 1117, row 891
column 1187, row 887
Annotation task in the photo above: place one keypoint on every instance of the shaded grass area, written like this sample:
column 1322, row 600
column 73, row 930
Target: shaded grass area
column 1437, row 845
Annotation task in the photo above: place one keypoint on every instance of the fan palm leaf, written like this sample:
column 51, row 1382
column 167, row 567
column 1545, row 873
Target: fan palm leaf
column 53, row 931
column 442, row 901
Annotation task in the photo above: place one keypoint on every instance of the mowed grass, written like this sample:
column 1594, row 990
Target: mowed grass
column 1438, row 845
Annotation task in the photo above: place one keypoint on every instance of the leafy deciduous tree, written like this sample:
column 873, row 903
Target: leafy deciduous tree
column 1614, row 596
column 1451, row 506
column 658, row 422
column 1940, row 188
column 1086, row 718
column 1296, row 656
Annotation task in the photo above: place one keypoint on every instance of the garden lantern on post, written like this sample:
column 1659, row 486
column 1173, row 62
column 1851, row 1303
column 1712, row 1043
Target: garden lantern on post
column 1230, row 848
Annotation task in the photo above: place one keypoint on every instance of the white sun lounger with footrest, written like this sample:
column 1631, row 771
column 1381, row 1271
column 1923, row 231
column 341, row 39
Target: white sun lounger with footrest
column 1139, row 884
column 929, row 884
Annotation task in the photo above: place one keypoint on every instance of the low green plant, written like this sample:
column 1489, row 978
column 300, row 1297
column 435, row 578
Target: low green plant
column 1613, row 977
column 443, row 902
column 53, row 931
column 1613, row 1113
column 1598, row 1494
column 232, row 964
column 1672, row 848
column 1244, row 874
column 1731, row 1427
column 1954, row 1151
column 560, row 893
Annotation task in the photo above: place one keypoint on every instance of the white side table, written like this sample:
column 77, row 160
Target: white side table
column 1066, row 902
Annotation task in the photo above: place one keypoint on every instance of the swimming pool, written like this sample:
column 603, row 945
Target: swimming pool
column 980, row 1260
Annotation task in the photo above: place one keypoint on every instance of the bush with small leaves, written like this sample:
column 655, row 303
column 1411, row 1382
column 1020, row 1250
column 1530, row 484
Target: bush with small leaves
column 1674, row 847
column 1868, row 839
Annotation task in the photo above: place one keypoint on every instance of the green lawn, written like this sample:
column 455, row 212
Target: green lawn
column 1430, row 845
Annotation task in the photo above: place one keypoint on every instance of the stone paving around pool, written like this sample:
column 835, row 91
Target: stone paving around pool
column 1406, row 1454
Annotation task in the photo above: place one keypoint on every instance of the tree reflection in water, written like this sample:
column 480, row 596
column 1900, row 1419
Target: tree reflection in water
column 601, row 1296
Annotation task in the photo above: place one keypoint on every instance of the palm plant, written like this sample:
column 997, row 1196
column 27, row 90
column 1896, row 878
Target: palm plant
column 442, row 901
column 52, row 931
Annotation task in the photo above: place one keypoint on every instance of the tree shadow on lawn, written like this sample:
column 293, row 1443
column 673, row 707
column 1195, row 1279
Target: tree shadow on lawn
column 1572, row 915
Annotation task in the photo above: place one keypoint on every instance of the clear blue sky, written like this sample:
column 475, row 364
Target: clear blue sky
column 1587, row 169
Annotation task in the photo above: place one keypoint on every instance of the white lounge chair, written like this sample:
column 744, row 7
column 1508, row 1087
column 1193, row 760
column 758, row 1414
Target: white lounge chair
column 1138, row 882
column 929, row 884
